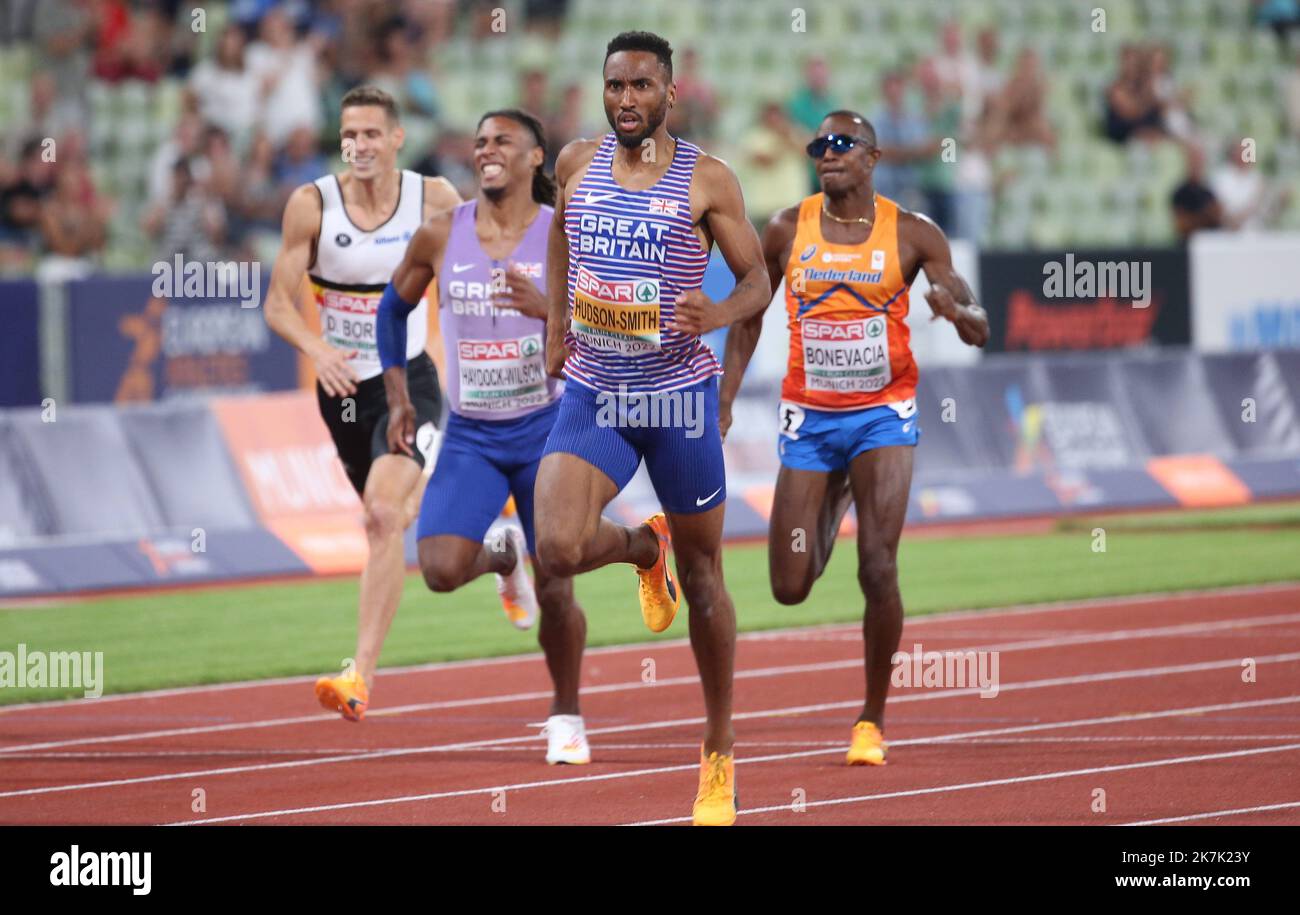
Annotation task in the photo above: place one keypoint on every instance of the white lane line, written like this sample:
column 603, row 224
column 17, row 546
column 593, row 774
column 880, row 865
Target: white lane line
column 691, row 680
column 1142, row 672
column 998, row 782
column 535, row 656
column 561, row 782
column 656, row 745
column 1263, row 808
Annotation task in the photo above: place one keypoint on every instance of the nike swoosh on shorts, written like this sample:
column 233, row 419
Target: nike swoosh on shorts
column 708, row 498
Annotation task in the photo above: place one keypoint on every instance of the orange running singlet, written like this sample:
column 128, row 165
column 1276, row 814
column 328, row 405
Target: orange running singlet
column 846, row 307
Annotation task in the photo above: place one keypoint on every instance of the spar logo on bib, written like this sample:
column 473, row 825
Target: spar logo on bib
column 620, row 316
column 489, row 349
column 846, row 357
column 500, row 375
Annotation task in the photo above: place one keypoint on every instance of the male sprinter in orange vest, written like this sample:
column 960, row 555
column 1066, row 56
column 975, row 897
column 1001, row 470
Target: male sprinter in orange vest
column 848, row 415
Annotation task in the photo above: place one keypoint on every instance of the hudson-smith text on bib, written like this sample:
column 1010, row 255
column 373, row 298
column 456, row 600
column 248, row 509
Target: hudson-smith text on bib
column 621, row 316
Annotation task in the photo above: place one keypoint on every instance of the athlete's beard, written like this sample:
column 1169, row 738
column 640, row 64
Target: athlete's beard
column 652, row 123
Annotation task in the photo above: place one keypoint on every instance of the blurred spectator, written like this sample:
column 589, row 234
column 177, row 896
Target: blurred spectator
column 1173, row 101
column 436, row 20
column 22, row 189
column 130, row 44
column 286, row 67
column 184, row 143
column 299, row 163
column 49, row 115
column 534, row 93
column 1280, row 15
column 1132, row 107
column 257, row 205
column 1291, row 96
column 451, row 158
column 973, row 184
column 989, row 80
column 74, row 222
column 1019, row 109
column 569, row 123
column 1194, row 205
column 696, row 112
column 398, row 74
column 774, row 163
column 937, row 171
column 482, row 17
column 813, row 101
column 904, row 140
column 190, row 222
column 226, row 92
column 223, row 169
column 957, row 72
column 251, row 12
column 65, row 36
column 1247, row 198
column 546, row 16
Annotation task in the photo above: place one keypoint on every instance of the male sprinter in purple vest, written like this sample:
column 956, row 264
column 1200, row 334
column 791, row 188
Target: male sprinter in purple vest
column 489, row 256
column 637, row 213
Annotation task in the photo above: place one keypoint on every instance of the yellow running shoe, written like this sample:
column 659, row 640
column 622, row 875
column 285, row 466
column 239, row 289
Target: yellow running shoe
column 345, row 694
column 658, row 589
column 868, row 747
column 715, row 802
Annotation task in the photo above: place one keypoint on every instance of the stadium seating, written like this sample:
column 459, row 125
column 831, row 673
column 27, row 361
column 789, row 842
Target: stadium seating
column 750, row 52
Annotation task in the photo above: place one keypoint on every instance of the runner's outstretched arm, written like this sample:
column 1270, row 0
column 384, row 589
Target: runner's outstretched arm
column 410, row 280
column 557, row 262
column 743, row 336
column 724, row 214
column 949, row 297
column 298, row 232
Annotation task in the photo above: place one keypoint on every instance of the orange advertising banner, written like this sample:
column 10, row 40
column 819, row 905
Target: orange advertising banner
column 293, row 476
column 1198, row 480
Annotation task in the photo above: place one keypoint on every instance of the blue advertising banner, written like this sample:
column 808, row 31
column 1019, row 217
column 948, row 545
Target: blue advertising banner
column 128, row 343
column 20, row 344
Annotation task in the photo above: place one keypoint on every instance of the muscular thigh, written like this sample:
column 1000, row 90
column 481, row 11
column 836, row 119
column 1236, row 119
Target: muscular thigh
column 467, row 490
column 569, row 496
column 683, row 452
column 584, row 464
column 796, row 510
column 881, row 479
column 697, row 541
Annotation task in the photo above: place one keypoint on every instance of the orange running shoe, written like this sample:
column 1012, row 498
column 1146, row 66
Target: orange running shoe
column 518, row 598
column 715, row 803
column 345, row 694
column 658, row 589
column 868, row 748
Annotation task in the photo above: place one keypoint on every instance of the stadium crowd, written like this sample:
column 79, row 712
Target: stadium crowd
column 258, row 119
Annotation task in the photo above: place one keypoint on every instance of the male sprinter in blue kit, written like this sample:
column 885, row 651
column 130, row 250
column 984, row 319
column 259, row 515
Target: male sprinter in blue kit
column 637, row 213
column 486, row 253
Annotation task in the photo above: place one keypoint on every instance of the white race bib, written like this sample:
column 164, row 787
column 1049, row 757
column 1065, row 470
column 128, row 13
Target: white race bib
column 789, row 417
column 846, row 357
column 619, row 316
column 500, row 375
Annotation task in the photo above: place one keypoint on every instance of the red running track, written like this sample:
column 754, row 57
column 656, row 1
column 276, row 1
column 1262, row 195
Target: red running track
column 1107, row 712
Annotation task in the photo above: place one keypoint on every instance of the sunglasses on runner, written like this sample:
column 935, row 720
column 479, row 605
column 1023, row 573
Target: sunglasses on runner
column 840, row 142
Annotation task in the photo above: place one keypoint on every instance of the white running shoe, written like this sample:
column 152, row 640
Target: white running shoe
column 566, row 741
column 515, row 589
